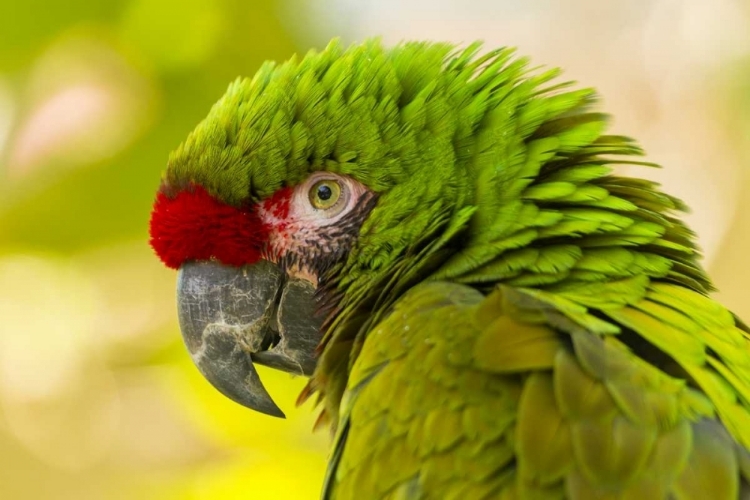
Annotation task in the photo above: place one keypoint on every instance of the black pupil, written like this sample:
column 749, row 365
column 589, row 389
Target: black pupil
column 324, row 192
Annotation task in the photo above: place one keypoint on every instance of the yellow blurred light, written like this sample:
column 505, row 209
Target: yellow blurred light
column 174, row 34
column 46, row 309
column 153, row 431
column 136, row 295
column 58, row 399
column 72, row 429
column 7, row 113
column 279, row 473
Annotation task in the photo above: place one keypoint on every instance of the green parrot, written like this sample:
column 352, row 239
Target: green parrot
column 435, row 236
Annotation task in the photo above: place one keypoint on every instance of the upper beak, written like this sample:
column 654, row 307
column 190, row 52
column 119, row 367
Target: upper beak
column 231, row 317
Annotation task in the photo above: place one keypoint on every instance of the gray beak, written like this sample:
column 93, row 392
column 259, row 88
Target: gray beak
column 233, row 317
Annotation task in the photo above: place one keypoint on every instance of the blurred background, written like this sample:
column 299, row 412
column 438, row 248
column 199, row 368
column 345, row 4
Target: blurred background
column 98, row 398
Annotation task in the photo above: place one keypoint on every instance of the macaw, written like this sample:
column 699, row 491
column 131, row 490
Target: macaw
column 435, row 236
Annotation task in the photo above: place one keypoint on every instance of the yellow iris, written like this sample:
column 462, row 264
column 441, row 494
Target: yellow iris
column 324, row 194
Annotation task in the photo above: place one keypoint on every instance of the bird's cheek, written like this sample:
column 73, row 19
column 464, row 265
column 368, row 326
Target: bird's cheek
column 291, row 235
column 302, row 273
column 288, row 248
column 280, row 242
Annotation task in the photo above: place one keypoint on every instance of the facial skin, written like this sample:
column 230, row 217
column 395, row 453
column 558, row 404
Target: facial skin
column 308, row 233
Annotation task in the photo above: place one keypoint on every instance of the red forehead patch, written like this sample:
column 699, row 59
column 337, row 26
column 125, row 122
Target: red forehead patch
column 193, row 225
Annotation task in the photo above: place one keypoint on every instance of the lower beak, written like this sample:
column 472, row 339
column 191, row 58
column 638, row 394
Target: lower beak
column 231, row 317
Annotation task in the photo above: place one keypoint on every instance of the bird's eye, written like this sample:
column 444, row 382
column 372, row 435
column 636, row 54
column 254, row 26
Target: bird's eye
column 325, row 193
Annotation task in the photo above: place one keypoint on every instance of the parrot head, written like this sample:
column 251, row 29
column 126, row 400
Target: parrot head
column 288, row 209
column 318, row 192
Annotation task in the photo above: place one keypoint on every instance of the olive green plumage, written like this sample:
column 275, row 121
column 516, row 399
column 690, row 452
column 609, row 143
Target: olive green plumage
column 514, row 321
column 526, row 394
